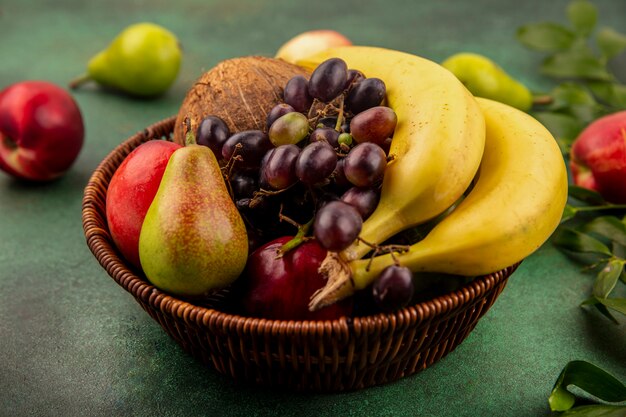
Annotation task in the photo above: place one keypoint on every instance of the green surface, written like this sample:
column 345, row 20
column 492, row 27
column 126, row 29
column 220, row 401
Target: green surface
column 74, row 343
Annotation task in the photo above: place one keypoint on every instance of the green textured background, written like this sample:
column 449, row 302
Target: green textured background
column 74, row 343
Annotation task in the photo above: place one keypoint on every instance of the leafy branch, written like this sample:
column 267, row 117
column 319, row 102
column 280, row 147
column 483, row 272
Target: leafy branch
column 577, row 56
column 599, row 241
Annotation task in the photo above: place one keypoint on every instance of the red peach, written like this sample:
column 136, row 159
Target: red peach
column 310, row 43
column 598, row 157
column 280, row 288
column 41, row 130
column 131, row 191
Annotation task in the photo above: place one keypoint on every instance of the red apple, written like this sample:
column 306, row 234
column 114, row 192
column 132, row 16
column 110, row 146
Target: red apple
column 131, row 191
column 598, row 157
column 309, row 43
column 280, row 287
column 41, row 130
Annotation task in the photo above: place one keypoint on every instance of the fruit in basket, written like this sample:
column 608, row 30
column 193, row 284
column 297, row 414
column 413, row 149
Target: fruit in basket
column 309, row 43
column 131, row 191
column 240, row 91
column 143, row 60
column 279, row 287
column 484, row 78
column 437, row 144
column 41, row 130
column 598, row 157
column 375, row 125
column 393, row 289
column 514, row 206
column 193, row 239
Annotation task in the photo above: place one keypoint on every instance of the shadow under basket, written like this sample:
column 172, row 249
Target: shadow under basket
column 331, row 356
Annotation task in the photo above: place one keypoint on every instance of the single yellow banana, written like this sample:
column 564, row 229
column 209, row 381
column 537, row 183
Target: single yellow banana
column 437, row 144
column 513, row 208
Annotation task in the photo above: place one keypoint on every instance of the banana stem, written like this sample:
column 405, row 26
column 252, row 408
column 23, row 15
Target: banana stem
column 78, row 81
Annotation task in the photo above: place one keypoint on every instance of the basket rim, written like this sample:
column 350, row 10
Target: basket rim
column 102, row 247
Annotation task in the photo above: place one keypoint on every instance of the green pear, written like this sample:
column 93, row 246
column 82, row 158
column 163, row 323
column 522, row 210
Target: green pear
column 143, row 60
column 193, row 239
column 484, row 78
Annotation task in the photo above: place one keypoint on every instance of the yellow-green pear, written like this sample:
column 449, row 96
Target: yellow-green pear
column 143, row 60
column 484, row 78
column 193, row 239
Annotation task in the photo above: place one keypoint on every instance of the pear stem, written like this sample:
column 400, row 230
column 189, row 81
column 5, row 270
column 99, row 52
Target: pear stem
column 543, row 100
column 190, row 137
column 78, row 81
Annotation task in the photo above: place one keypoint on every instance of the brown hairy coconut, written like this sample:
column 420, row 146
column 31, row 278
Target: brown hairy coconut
column 241, row 91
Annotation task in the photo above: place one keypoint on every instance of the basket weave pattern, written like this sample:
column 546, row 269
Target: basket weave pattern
column 337, row 355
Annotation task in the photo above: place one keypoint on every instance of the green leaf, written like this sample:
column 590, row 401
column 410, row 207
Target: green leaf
column 583, row 15
column 617, row 304
column 586, row 195
column 547, row 37
column 575, row 100
column 590, row 379
column 566, row 94
column 610, row 42
column 576, row 241
column 611, row 93
column 568, row 213
column 607, row 226
column 571, row 64
column 596, row 411
column 607, row 278
column 593, row 301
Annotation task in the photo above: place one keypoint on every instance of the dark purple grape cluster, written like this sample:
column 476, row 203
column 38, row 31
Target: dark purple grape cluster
column 320, row 161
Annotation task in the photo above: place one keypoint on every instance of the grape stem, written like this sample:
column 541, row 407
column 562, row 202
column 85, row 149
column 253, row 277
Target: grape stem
column 340, row 115
column 298, row 239
column 258, row 195
column 382, row 249
column 227, row 170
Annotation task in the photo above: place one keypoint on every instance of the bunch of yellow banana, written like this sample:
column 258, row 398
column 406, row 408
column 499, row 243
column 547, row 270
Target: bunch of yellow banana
column 444, row 139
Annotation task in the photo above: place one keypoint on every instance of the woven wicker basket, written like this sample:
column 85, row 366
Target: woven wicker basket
column 338, row 355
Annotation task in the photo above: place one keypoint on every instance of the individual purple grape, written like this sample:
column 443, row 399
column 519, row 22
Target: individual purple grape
column 325, row 134
column 277, row 111
column 262, row 182
column 337, row 225
column 339, row 176
column 316, row 162
column 366, row 94
column 296, row 94
column 364, row 200
column 279, row 170
column 254, row 146
column 213, row 132
column 374, row 125
column 354, row 77
column 393, row 289
column 328, row 79
column 365, row 164
column 243, row 184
